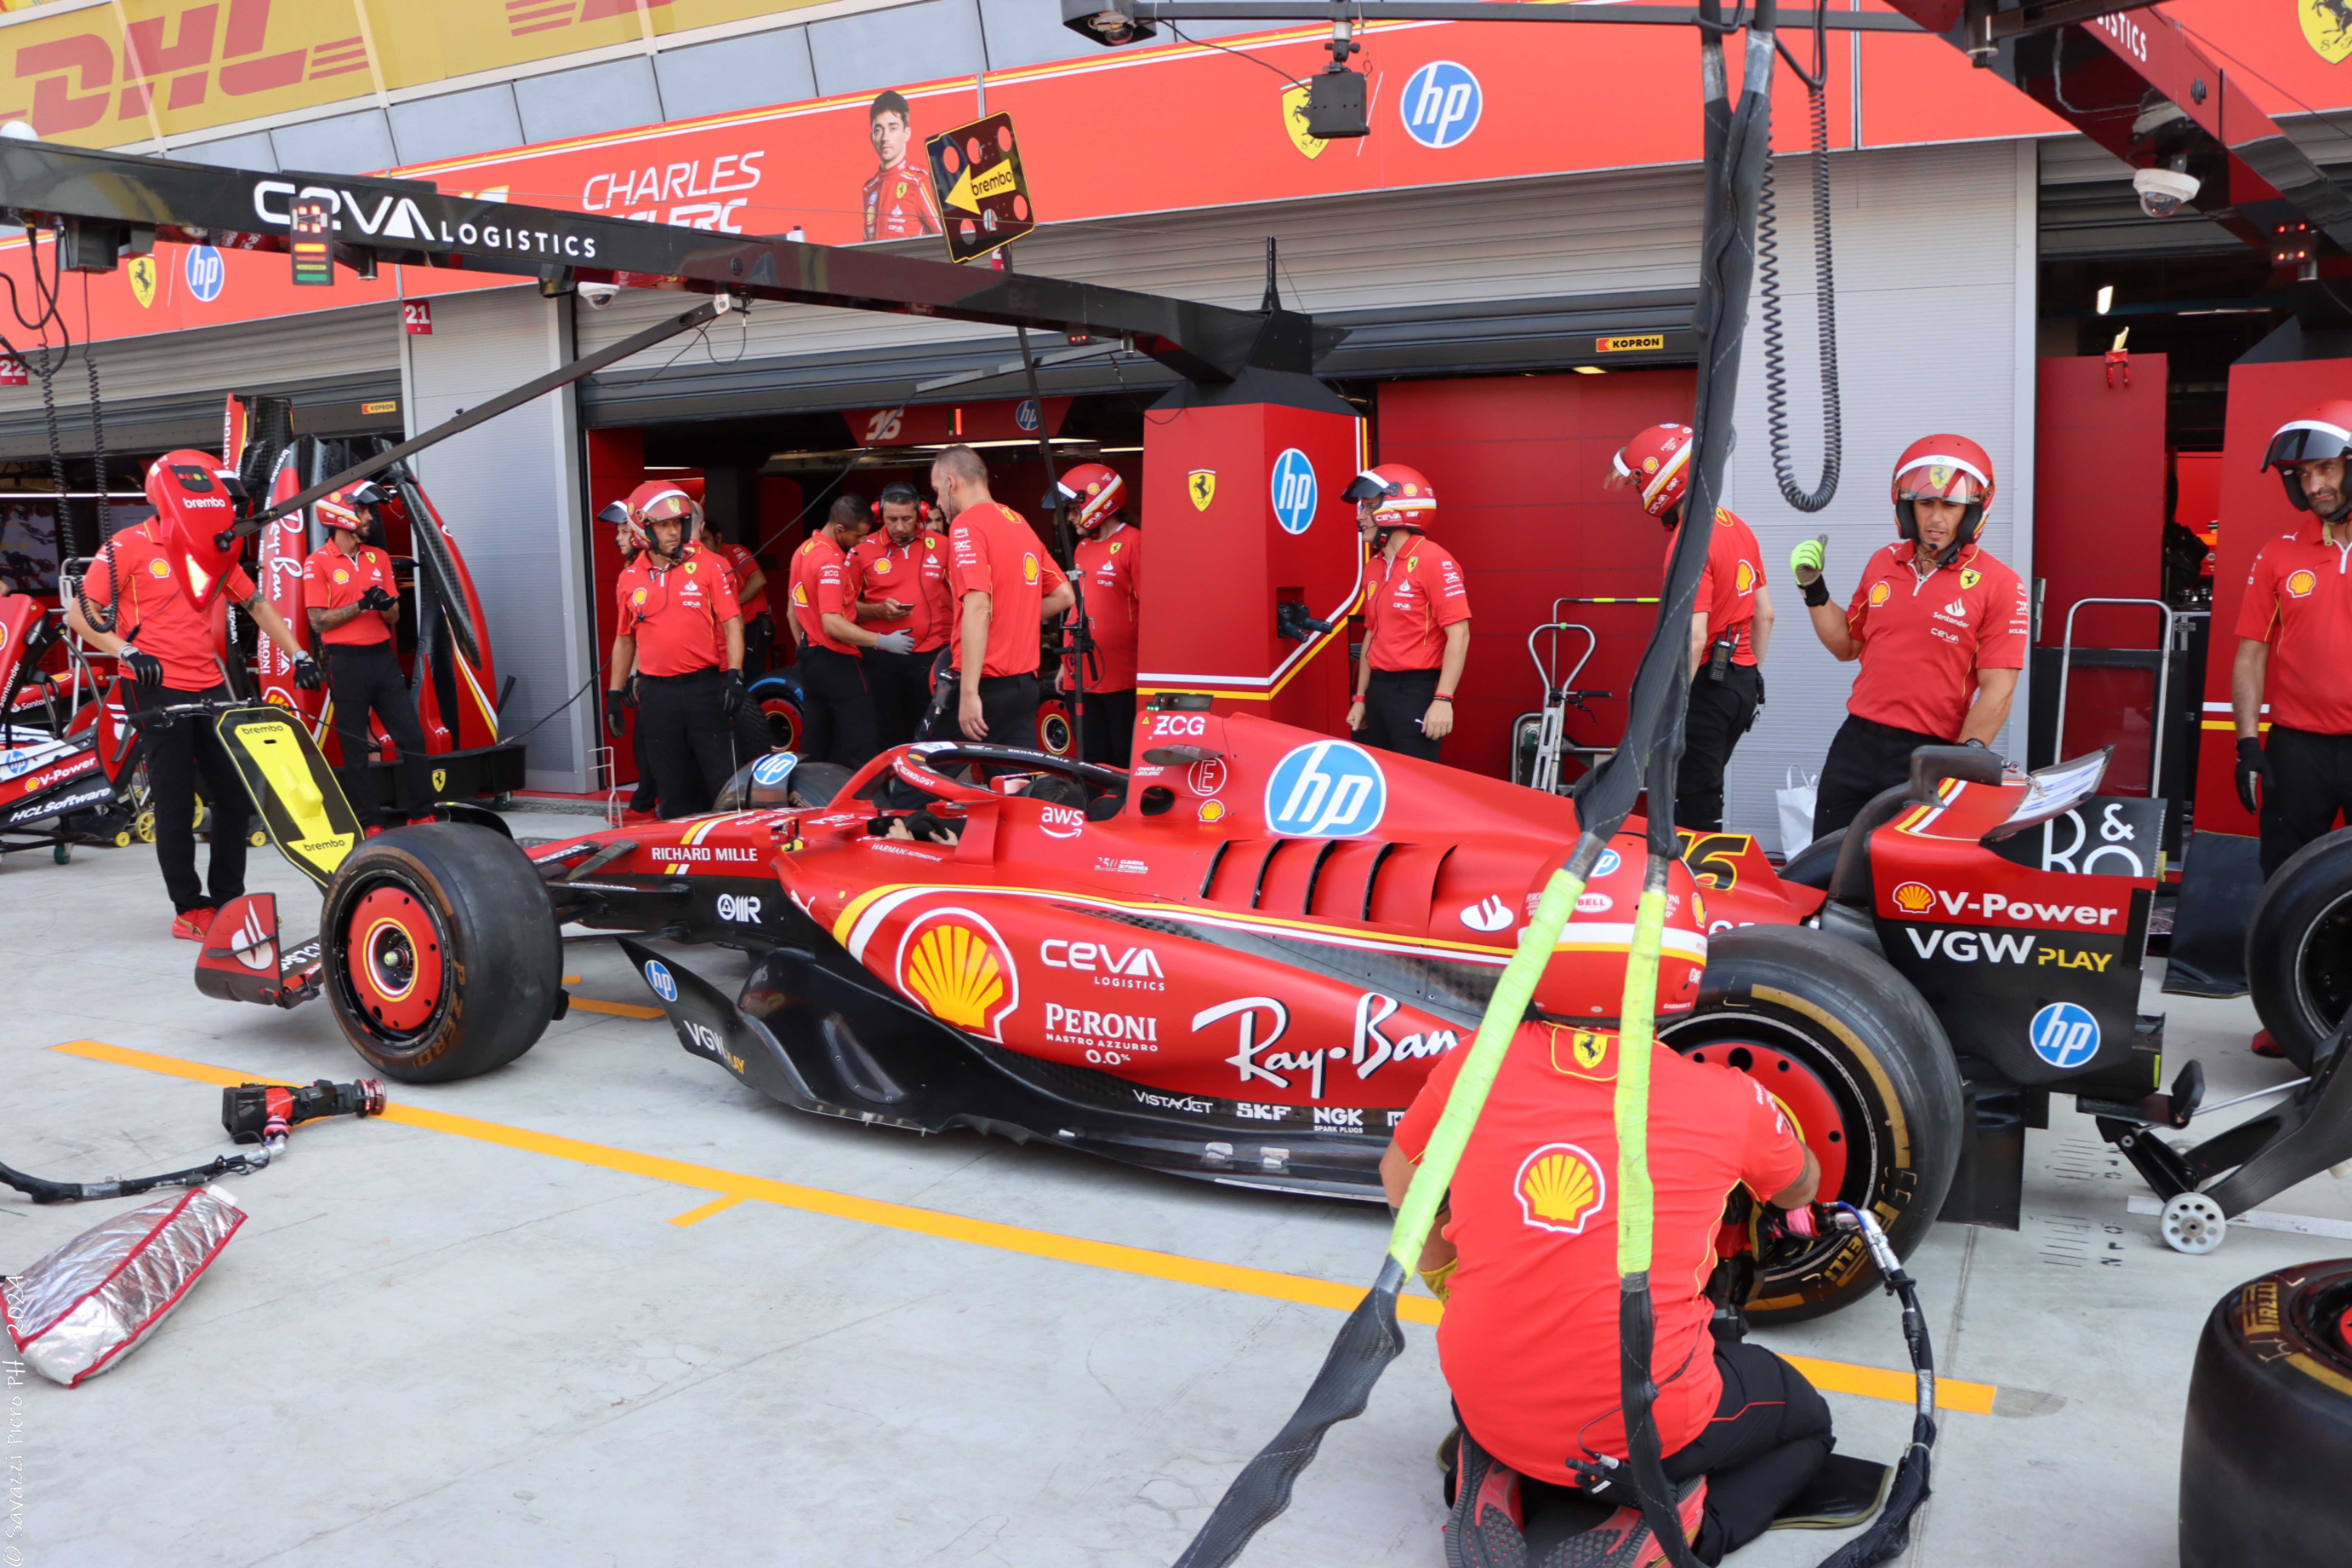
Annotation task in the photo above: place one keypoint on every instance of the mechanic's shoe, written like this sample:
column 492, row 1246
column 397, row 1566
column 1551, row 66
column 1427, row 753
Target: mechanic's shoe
column 1624, row 1540
column 1485, row 1530
column 375, row 832
column 633, row 817
column 2264, row 1045
column 190, row 925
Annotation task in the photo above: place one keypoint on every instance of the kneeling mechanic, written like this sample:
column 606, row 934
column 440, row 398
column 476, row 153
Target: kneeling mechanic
column 352, row 604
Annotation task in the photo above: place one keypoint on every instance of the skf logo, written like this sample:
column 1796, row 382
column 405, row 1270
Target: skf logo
column 1878, row 595
column 2299, row 583
column 1914, row 897
column 1029, row 569
column 1560, row 1188
column 1744, row 579
column 953, row 963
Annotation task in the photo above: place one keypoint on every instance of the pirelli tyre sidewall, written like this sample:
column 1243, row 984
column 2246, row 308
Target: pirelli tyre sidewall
column 2269, row 1439
column 2299, row 947
column 1865, row 1043
column 442, row 955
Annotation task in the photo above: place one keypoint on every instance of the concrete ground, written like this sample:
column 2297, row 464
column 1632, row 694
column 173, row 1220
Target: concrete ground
column 606, row 1306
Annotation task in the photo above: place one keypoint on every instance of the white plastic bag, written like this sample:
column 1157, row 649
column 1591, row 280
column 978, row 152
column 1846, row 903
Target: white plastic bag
column 1797, row 810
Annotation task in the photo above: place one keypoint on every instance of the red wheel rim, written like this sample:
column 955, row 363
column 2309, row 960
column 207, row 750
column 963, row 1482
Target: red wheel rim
column 783, row 722
column 1054, row 730
column 393, row 953
column 1799, row 1093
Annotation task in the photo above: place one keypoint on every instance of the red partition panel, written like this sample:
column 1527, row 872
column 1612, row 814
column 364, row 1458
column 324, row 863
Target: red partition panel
column 2098, row 498
column 1517, row 463
column 616, row 464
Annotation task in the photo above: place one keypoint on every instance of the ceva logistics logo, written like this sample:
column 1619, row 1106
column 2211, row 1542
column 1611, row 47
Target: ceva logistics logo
column 1328, row 790
column 1441, row 104
column 1294, row 491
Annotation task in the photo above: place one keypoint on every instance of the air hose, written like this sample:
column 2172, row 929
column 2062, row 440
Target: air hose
column 1768, row 262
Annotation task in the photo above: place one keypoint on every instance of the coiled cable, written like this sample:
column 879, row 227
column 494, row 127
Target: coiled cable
column 1776, row 377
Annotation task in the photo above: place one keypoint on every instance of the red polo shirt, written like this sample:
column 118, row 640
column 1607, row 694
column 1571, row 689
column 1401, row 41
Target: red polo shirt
column 332, row 580
column 743, row 563
column 993, row 552
column 156, row 616
column 1112, row 568
column 821, row 586
column 1411, row 601
column 1727, row 590
column 1923, row 640
column 1529, row 1339
column 2299, row 600
column 879, row 570
column 676, row 614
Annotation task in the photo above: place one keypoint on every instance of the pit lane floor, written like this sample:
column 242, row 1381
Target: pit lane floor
column 608, row 1307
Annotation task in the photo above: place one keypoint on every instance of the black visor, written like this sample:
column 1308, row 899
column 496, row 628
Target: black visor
column 366, row 493
column 617, row 515
column 2306, row 441
column 1363, row 487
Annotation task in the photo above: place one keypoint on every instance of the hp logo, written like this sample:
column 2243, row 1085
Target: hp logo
column 1025, row 416
column 1441, row 104
column 663, row 983
column 1328, row 790
column 1610, row 860
column 205, row 273
column 2065, row 1035
column 1294, row 491
column 771, row 771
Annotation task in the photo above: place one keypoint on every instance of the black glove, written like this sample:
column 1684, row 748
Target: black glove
column 307, row 673
column 616, row 714
column 2251, row 765
column 732, row 698
column 375, row 598
column 144, row 669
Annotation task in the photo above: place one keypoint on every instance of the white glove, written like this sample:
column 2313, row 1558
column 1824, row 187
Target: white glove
column 896, row 642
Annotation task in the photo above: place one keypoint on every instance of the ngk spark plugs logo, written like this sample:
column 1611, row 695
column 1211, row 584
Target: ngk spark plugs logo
column 954, row 962
column 1328, row 790
column 1441, row 104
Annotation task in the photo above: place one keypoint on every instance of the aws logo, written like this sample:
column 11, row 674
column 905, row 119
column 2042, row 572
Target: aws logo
column 1560, row 1189
column 1879, row 594
column 2300, row 582
column 954, row 962
column 1914, row 897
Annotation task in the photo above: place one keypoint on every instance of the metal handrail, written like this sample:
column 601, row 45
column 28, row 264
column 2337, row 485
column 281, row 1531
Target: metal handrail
column 2163, row 685
column 1551, row 738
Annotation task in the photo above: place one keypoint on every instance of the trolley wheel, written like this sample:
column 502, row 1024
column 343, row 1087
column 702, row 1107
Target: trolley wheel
column 1857, row 1059
column 2299, row 947
column 2193, row 1224
column 143, row 824
column 258, row 840
column 121, row 839
column 62, row 854
column 441, row 952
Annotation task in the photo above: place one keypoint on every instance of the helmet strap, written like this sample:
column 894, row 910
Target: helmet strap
column 1672, row 517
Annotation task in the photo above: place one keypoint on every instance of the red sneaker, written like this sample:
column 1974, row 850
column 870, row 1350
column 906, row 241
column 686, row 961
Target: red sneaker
column 375, row 833
column 1486, row 1528
column 190, row 925
column 2264, row 1045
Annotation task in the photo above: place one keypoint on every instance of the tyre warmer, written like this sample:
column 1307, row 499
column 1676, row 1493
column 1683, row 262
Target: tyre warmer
column 80, row 1311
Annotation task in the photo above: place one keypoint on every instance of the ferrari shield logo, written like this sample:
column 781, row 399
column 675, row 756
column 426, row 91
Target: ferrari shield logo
column 1970, row 578
column 1294, row 119
column 440, row 779
column 1200, row 484
column 142, row 281
column 2328, row 28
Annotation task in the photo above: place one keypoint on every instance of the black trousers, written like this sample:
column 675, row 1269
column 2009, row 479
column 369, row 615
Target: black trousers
column 2311, row 780
column 1110, row 726
column 365, row 679
column 688, row 740
column 1394, row 703
column 759, row 637
column 1865, row 758
column 838, row 707
column 1770, row 1432
column 179, row 752
column 1009, row 702
column 1720, row 712
column 901, row 688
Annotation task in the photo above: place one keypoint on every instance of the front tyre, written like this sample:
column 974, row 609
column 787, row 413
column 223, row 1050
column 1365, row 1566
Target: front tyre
column 441, row 951
column 1857, row 1059
column 2299, row 947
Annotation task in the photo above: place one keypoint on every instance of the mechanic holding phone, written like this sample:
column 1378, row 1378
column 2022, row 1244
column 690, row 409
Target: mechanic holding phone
column 1939, row 624
column 836, row 689
column 681, row 637
column 352, row 604
column 1005, row 586
column 900, row 577
column 1416, row 614
column 164, row 648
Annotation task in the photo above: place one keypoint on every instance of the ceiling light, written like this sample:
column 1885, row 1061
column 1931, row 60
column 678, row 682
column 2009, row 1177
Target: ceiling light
column 2107, row 297
column 1589, row 370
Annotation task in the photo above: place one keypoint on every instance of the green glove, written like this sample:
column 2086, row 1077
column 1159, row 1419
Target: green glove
column 1805, row 561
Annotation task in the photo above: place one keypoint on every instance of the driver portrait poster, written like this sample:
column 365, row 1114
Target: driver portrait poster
column 897, row 196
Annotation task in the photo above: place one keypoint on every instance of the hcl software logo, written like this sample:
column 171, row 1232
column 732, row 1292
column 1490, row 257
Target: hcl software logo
column 1328, row 790
column 1441, row 104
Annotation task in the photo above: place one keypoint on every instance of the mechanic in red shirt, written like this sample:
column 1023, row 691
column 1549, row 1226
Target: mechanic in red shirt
column 165, row 649
column 837, row 698
column 897, row 195
column 1526, row 1263
column 900, row 577
column 2295, row 644
column 1109, row 564
column 1004, row 586
column 352, row 604
column 1939, row 624
column 1731, row 621
column 681, row 640
column 751, row 596
column 1416, row 614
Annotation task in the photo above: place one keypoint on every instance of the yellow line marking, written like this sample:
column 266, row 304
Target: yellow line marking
column 735, row 1186
column 716, row 1205
column 618, row 1009
column 572, row 980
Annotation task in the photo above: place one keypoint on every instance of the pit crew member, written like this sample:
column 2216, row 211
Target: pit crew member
column 1731, row 621
column 1526, row 1264
column 1109, row 564
column 836, row 702
column 752, row 595
column 898, row 194
column 900, row 576
column 165, row 649
column 1939, row 624
column 1417, row 616
column 352, row 604
column 1004, row 584
column 2295, row 644
column 681, row 637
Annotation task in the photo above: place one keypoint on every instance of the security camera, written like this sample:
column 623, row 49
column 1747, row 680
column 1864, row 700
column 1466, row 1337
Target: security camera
column 2163, row 192
column 598, row 295
column 1110, row 23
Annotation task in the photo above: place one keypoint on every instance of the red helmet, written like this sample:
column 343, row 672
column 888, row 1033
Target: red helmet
column 1943, row 468
column 1658, row 462
column 1401, row 498
column 340, row 509
column 1586, row 976
column 1093, row 492
column 656, row 500
column 2322, row 430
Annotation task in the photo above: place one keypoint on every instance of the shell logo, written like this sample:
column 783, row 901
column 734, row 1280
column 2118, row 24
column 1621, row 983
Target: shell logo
column 1913, row 898
column 1029, row 569
column 1745, row 578
column 800, row 594
column 1213, row 811
column 1878, row 595
column 954, row 964
column 881, row 566
column 638, row 596
column 342, row 575
column 1560, row 1188
column 1698, row 909
column 1649, row 465
column 2300, row 582
column 159, row 567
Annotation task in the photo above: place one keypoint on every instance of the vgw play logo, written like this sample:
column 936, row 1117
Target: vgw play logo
column 1441, row 104
column 1328, row 790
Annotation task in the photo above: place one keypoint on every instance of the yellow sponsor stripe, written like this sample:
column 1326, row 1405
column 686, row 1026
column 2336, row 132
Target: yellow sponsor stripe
column 734, row 1186
column 618, row 1009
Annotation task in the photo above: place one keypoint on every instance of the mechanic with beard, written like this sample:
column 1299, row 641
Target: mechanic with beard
column 837, row 696
column 2295, row 646
column 1109, row 562
column 1004, row 586
column 352, row 604
column 164, row 648
column 899, row 575
column 1416, row 615
column 1731, row 621
column 1939, row 624
column 681, row 638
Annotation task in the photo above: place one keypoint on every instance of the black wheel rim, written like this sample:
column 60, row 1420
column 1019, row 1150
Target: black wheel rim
column 2323, row 968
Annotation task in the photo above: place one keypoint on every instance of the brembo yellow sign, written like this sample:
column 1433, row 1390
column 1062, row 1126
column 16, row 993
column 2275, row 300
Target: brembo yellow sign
column 107, row 72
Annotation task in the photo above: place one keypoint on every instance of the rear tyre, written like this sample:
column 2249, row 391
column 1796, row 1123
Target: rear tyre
column 816, row 783
column 442, row 958
column 1857, row 1058
column 2299, row 947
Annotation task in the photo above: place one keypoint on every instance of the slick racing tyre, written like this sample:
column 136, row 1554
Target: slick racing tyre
column 1859, row 1062
column 2269, row 1439
column 441, row 951
column 2299, row 947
